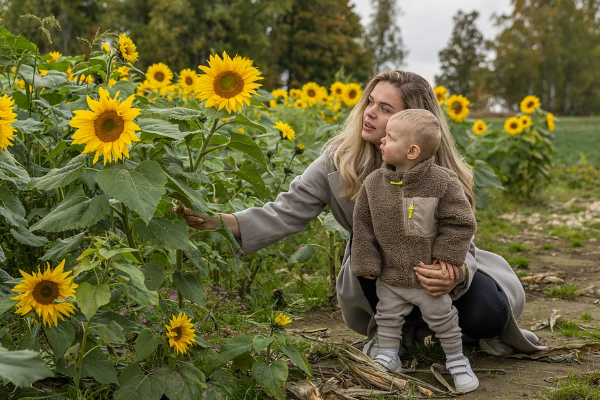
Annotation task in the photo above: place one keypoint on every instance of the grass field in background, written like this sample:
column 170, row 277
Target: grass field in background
column 573, row 136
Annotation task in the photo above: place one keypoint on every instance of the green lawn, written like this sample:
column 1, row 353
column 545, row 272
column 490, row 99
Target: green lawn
column 575, row 136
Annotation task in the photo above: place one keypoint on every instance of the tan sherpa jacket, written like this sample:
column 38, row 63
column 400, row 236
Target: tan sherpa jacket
column 401, row 218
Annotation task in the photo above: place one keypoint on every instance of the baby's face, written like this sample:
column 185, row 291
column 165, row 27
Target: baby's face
column 394, row 145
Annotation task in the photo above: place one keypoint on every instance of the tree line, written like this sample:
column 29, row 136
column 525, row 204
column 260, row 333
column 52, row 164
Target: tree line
column 550, row 48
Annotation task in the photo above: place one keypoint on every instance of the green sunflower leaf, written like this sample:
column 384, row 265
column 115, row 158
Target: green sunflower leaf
column 11, row 170
column 134, row 384
column 157, row 128
column 246, row 145
column 59, row 177
column 76, row 211
column 63, row 247
column 139, row 189
column 271, row 377
column 91, row 297
column 250, row 174
column 145, row 344
column 161, row 232
column 189, row 286
column 22, row 367
column 177, row 113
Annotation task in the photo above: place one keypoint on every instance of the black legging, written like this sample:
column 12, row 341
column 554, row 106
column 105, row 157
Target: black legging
column 483, row 311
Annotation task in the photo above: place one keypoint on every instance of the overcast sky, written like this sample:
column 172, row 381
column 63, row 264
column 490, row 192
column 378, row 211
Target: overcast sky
column 426, row 26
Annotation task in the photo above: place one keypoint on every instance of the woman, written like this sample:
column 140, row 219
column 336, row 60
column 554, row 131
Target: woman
column 488, row 296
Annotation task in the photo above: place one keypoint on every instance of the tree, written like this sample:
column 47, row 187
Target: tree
column 383, row 37
column 462, row 59
column 315, row 39
column 550, row 48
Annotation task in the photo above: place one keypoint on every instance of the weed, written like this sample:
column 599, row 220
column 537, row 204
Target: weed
column 491, row 374
column 568, row 328
column 518, row 261
column 586, row 317
column 432, row 353
column 518, row 247
column 566, row 291
column 577, row 386
column 548, row 246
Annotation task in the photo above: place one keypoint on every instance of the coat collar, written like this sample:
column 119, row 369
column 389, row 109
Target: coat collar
column 414, row 175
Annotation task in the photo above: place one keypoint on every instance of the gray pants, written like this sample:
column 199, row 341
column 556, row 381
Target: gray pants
column 396, row 302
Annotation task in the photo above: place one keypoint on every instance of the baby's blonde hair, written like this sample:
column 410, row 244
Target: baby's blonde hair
column 424, row 130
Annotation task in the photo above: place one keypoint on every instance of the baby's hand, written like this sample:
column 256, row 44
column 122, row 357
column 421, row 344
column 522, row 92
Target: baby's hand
column 369, row 277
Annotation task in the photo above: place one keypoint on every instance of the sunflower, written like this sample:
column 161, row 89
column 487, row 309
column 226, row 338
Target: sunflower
column 337, row 89
column 550, row 121
column 54, row 55
column 108, row 128
column 301, row 104
column 311, row 92
column 127, row 49
column 188, row 80
column 7, row 117
column 228, row 82
column 457, row 107
column 525, row 121
column 281, row 320
column 285, row 130
column 181, row 333
column 278, row 94
column 145, row 88
column 441, row 93
column 479, row 127
column 529, row 104
column 39, row 291
column 295, row 93
column 159, row 74
column 351, row 95
column 106, row 47
column 513, row 126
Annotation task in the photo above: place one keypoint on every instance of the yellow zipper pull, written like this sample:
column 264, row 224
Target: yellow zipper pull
column 410, row 210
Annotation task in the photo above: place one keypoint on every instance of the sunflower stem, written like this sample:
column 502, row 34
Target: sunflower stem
column 81, row 356
column 205, row 143
column 179, row 266
column 130, row 242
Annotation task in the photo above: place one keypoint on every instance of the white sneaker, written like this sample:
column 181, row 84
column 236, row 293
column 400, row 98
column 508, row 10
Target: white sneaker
column 387, row 363
column 496, row 347
column 464, row 377
column 371, row 348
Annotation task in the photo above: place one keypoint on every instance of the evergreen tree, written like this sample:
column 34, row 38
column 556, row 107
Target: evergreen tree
column 462, row 59
column 383, row 37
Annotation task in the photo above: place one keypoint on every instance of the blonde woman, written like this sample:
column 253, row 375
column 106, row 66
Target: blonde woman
column 487, row 294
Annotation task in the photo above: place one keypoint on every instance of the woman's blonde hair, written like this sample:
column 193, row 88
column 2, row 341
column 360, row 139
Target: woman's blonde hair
column 356, row 158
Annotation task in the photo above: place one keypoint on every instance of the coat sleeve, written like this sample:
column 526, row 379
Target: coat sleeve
column 306, row 198
column 365, row 254
column 456, row 225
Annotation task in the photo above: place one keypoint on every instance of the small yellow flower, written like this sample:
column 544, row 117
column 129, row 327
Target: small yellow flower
column 42, row 292
column 441, row 93
column 281, row 97
column 127, row 49
column 241, row 131
column 295, row 93
column 55, row 55
column 525, row 121
column 550, row 121
column 479, row 127
column 286, row 131
column 7, row 117
column 513, row 126
column 457, row 107
column 159, row 74
column 351, row 94
column 337, row 89
column 529, row 104
column 282, row 320
column 181, row 333
column 106, row 47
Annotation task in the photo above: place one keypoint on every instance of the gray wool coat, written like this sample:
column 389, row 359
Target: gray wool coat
column 307, row 197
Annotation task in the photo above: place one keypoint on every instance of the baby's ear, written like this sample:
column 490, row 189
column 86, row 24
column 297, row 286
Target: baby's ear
column 414, row 151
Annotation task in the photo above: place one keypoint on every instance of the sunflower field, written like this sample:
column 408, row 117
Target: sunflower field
column 104, row 291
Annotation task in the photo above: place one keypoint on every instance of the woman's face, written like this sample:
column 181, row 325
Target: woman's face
column 384, row 101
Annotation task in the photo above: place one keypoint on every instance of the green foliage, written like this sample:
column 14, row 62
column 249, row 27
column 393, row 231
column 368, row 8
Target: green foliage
column 383, row 36
column 566, row 291
column 576, row 386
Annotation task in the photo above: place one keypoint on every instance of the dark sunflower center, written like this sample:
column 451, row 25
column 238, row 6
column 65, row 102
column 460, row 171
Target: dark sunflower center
column 189, row 81
column 228, row 85
column 530, row 104
column 177, row 331
column 45, row 292
column 352, row 94
column 457, row 107
column 338, row 91
column 514, row 125
column 311, row 93
column 159, row 76
column 109, row 126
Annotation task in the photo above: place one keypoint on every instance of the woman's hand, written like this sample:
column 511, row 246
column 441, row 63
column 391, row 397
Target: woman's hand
column 433, row 279
column 206, row 223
